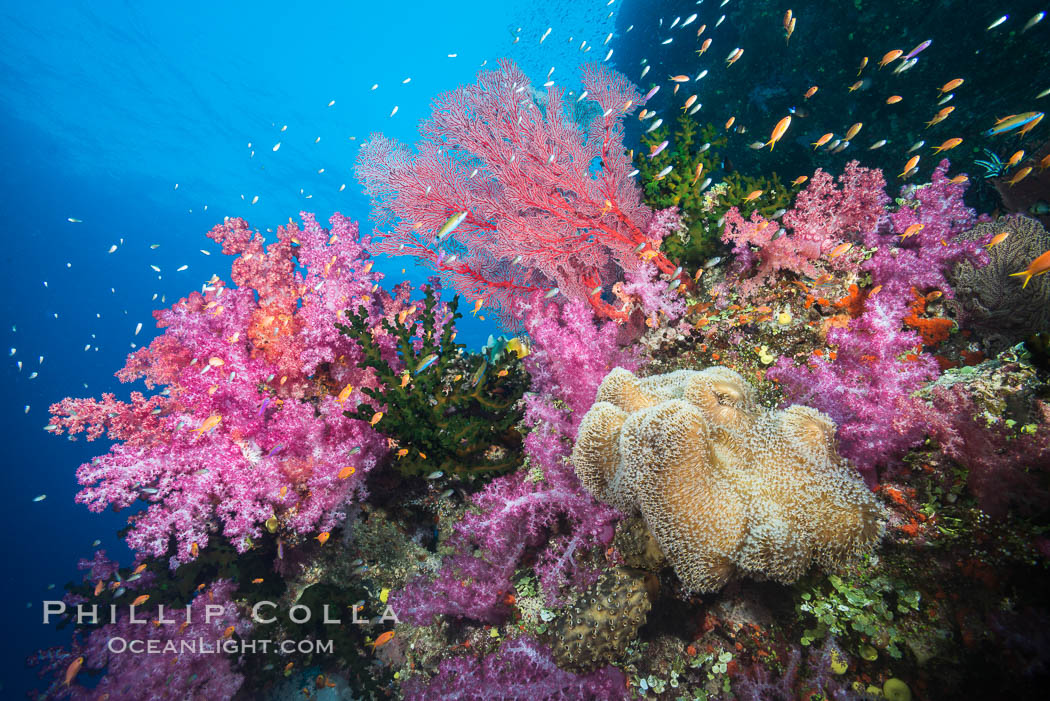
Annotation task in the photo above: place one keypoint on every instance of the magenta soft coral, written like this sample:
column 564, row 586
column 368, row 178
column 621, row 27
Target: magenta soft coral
column 825, row 215
column 521, row 669
column 549, row 203
column 265, row 356
column 514, row 516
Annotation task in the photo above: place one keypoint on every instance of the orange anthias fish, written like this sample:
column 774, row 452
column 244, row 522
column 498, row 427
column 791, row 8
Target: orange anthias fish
column 853, row 131
column 912, row 162
column 376, row 418
column 890, row 57
column 1015, row 158
column 787, row 19
column 840, row 249
column 789, row 30
column 344, row 394
column 734, row 57
column 141, row 599
column 856, row 85
column 752, row 196
column 863, row 62
column 194, row 549
column 680, row 78
column 704, row 47
column 383, row 639
column 1037, row 267
column 940, row 116
column 1019, row 176
column 99, row 587
column 778, row 131
column 323, row 537
column 229, row 631
column 72, row 670
column 699, row 170
column 799, row 180
column 138, row 570
column 209, row 423
column 822, row 140
column 949, row 144
column 257, row 580
column 997, row 239
column 405, row 378
column 811, row 92
column 951, row 85
column 912, row 230
column 1045, row 163
column 893, row 99
column 346, row 472
column 959, row 179
column 729, row 123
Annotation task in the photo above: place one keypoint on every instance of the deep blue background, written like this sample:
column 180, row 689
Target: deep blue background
column 105, row 107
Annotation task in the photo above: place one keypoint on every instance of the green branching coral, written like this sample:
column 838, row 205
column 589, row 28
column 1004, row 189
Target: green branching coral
column 448, row 410
column 702, row 208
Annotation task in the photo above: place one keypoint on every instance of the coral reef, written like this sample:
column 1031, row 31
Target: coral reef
column 988, row 299
column 724, row 486
column 597, row 628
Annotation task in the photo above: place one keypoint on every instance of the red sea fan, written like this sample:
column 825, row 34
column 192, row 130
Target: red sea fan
column 549, row 204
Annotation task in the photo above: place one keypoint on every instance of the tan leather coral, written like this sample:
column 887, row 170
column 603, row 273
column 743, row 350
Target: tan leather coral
column 725, row 486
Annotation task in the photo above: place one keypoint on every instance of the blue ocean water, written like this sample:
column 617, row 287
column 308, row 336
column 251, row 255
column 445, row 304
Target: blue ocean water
column 139, row 120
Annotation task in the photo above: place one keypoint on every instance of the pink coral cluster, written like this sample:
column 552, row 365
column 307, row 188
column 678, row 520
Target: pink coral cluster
column 548, row 203
column 825, row 215
column 516, row 514
column 249, row 425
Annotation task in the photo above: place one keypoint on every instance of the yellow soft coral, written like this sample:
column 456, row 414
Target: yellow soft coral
column 725, row 486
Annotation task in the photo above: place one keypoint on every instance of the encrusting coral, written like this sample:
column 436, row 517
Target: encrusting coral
column 725, row 486
column 599, row 627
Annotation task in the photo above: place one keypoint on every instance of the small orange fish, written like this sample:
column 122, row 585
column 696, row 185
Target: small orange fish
column 346, row 472
column 940, row 116
column 790, row 30
column 72, row 670
column 997, row 239
column 875, row 290
column 754, row 195
column 257, row 580
column 734, row 57
column 856, row 85
column 893, row 99
column 912, row 162
column 730, row 122
column 405, row 378
column 402, row 453
column 778, row 131
column 344, row 394
column 800, row 179
column 704, row 47
column 1019, row 176
column 854, row 130
column 99, row 587
column 863, row 62
column 288, row 667
column 1015, row 158
column 788, row 16
column 138, row 570
column 912, row 230
column 822, row 140
column 689, row 102
column 680, row 78
column 502, row 373
column 376, row 418
column 700, row 30
column 194, row 549
column 840, row 249
column 699, row 170
column 1031, row 125
column 229, row 631
column 141, row 599
column 283, row 490
column 949, row 144
column 478, row 304
column 323, row 537
column 209, row 423
column 890, row 57
column 959, row 179
column 383, row 639
column 1045, row 163
column 951, row 85
column 811, row 92
column 1037, row 267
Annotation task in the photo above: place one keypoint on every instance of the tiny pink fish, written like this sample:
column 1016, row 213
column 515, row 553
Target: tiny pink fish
column 655, row 150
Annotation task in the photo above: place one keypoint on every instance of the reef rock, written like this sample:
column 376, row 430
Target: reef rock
column 991, row 301
column 725, row 486
column 597, row 629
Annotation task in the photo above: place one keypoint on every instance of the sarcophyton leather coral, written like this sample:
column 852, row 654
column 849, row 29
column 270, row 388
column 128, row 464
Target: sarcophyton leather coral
column 726, row 487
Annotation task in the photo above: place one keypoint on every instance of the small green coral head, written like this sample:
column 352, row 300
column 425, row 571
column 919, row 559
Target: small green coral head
column 896, row 690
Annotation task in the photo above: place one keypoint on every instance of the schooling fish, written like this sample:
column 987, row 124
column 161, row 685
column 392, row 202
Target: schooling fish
column 1013, row 122
column 657, row 150
column 1037, row 267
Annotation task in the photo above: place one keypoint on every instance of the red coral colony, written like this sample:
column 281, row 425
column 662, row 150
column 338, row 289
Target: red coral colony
column 284, row 449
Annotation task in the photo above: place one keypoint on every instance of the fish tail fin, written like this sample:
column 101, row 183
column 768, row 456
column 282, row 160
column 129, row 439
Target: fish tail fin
column 1027, row 277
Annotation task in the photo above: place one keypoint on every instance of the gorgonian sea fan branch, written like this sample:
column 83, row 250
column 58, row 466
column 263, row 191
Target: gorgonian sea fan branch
column 549, row 203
